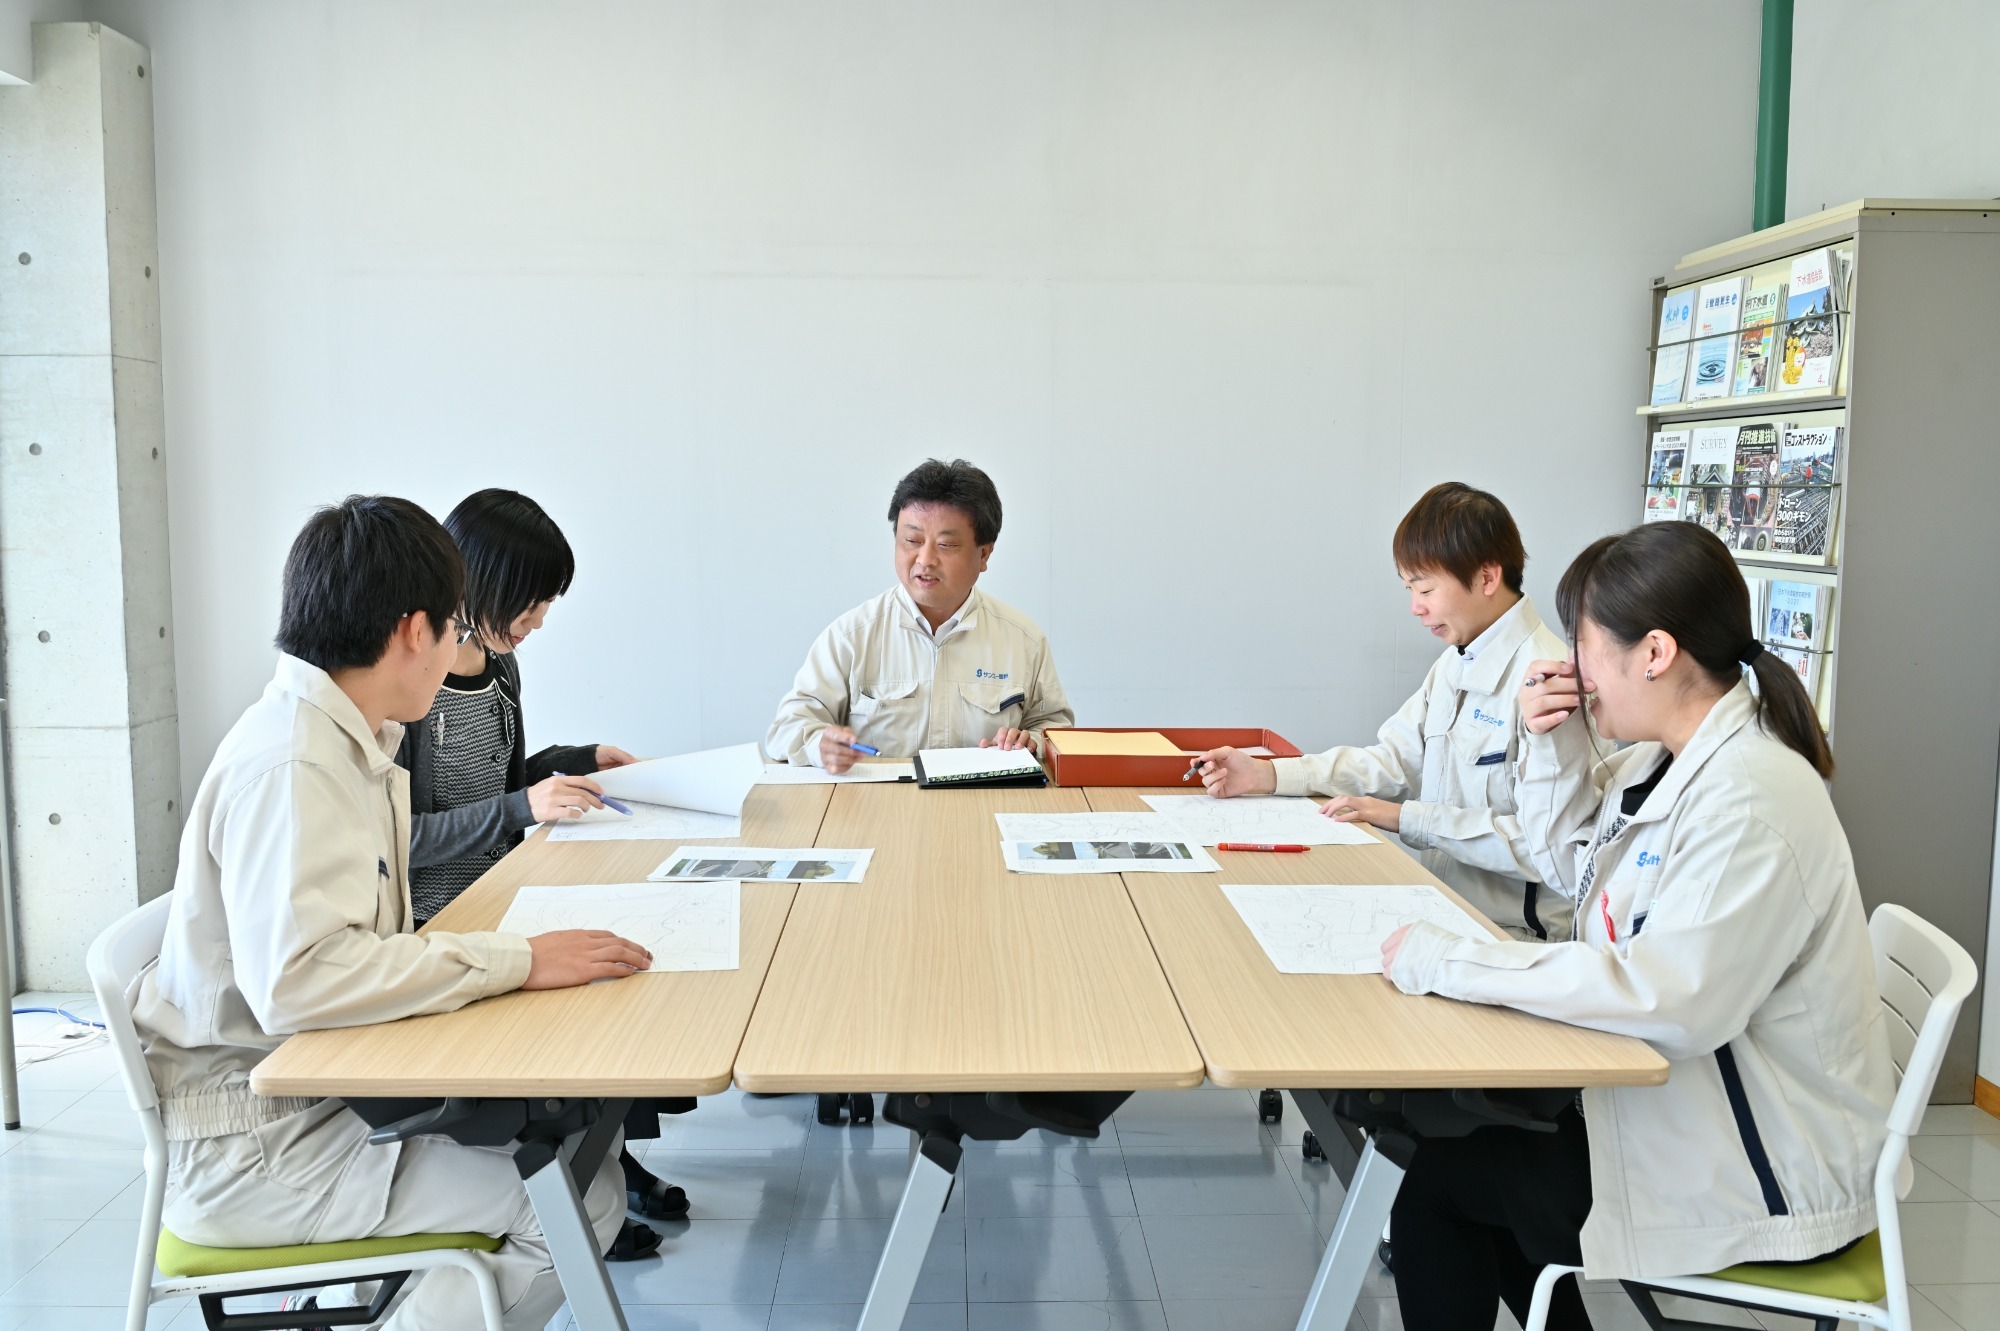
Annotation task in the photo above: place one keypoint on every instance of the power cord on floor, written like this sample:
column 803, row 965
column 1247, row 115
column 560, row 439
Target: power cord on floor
column 63, row 1040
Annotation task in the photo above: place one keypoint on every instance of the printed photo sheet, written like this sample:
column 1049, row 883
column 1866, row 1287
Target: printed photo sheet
column 1069, row 843
column 761, row 864
column 647, row 822
column 687, row 927
column 1258, row 819
column 1338, row 929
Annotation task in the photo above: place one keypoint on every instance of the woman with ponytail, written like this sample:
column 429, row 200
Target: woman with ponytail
column 1717, row 918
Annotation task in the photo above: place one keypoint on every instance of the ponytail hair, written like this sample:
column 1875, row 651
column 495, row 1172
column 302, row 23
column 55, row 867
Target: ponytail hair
column 1679, row 578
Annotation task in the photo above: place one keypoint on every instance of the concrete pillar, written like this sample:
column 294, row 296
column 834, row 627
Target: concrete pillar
column 88, row 625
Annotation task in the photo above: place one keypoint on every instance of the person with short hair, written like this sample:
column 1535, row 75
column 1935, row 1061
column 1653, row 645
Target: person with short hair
column 1440, row 774
column 1718, row 919
column 291, row 912
column 933, row 663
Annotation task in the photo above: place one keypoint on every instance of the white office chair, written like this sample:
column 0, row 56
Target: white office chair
column 1924, row 978
column 116, row 959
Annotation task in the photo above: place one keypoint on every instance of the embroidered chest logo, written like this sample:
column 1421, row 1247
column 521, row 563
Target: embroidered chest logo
column 1648, row 859
column 990, row 674
column 1487, row 717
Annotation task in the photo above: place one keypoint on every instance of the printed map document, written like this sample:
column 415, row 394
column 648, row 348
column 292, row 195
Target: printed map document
column 695, row 927
column 802, row 774
column 1258, row 819
column 755, row 863
column 1066, row 843
column 647, row 822
column 1338, row 929
column 713, row 781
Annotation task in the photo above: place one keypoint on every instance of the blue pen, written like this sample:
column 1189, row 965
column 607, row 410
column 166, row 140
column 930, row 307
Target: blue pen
column 614, row 805
column 868, row 749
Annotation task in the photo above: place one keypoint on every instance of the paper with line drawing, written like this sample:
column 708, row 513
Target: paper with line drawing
column 1258, row 819
column 686, row 926
column 1338, row 929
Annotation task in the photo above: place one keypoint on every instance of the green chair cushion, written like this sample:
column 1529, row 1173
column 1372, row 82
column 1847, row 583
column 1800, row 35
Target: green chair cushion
column 1855, row 1274
column 177, row 1257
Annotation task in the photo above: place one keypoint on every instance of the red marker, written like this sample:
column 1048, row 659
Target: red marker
column 1245, row 845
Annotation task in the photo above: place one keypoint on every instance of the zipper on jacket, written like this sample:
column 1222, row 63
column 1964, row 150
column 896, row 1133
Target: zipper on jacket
column 1746, row 1127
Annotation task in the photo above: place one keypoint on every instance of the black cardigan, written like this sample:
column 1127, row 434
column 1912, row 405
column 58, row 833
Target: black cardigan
column 438, row 835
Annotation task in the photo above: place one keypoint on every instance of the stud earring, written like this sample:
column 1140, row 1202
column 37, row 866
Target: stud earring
column 1649, row 677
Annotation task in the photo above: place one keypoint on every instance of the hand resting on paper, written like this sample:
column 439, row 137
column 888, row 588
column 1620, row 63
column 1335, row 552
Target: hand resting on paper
column 834, row 754
column 561, row 797
column 570, row 957
column 1364, row 809
column 1010, row 737
column 610, row 755
column 1226, row 772
column 1550, row 693
column 1390, row 947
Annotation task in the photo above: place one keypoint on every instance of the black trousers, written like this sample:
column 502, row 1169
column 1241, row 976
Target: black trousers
column 1479, row 1216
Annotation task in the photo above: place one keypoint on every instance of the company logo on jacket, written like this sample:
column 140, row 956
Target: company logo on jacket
column 1487, row 717
column 1647, row 859
column 989, row 674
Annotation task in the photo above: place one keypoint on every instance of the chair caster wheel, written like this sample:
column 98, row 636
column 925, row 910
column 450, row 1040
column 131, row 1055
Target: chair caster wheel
column 831, row 1109
column 860, row 1109
column 1385, row 1253
column 1309, row 1148
column 1270, row 1106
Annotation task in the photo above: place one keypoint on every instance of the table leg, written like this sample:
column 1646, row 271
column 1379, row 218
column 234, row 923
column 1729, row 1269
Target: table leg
column 572, row 1243
column 932, row 1169
column 1337, row 1286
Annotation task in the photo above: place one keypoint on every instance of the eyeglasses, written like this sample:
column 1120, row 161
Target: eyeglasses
column 462, row 630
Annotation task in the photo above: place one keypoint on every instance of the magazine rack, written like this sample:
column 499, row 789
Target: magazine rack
column 1909, row 684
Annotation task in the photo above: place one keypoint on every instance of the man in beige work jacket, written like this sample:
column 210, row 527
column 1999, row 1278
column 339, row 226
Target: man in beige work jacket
column 291, row 912
column 933, row 663
column 1441, row 772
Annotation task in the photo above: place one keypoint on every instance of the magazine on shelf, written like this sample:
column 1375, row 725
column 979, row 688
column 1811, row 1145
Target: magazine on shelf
column 1760, row 601
column 1670, row 370
column 1805, row 664
column 1663, row 503
column 1753, row 500
column 1795, row 615
column 1669, row 460
column 1713, row 359
column 1812, row 329
column 1711, row 458
column 1807, row 457
column 1718, row 306
column 1758, row 341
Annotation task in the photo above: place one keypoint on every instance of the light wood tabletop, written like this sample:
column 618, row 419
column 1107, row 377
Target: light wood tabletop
column 944, row 972
column 671, row 1033
column 1259, row 1028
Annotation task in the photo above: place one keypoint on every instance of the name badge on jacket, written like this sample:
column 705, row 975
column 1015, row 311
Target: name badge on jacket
column 1488, row 759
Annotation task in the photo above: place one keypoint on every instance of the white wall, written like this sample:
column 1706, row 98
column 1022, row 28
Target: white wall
column 1893, row 101
column 1214, row 289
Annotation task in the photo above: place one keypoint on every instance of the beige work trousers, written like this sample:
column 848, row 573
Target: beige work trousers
column 312, row 1177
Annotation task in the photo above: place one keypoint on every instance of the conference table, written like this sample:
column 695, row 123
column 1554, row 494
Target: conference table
column 980, row 1004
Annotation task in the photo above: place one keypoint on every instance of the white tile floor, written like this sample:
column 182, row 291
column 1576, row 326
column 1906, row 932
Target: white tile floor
column 1188, row 1215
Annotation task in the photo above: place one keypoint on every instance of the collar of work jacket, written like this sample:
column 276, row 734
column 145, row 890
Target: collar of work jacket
column 1483, row 665
column 1732, row 711
column 965, row 617
column 312, row 685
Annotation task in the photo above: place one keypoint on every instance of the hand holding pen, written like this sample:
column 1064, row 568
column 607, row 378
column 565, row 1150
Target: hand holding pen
column 1225, row 772
column 1551, row 691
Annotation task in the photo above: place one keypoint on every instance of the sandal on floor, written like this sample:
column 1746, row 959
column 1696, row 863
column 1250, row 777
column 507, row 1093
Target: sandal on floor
column 657, row 1200
column 633, row 1242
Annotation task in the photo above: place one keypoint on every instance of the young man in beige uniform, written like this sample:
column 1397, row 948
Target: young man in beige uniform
column 291, row 912
column 933, row 663
column 1441, row 773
